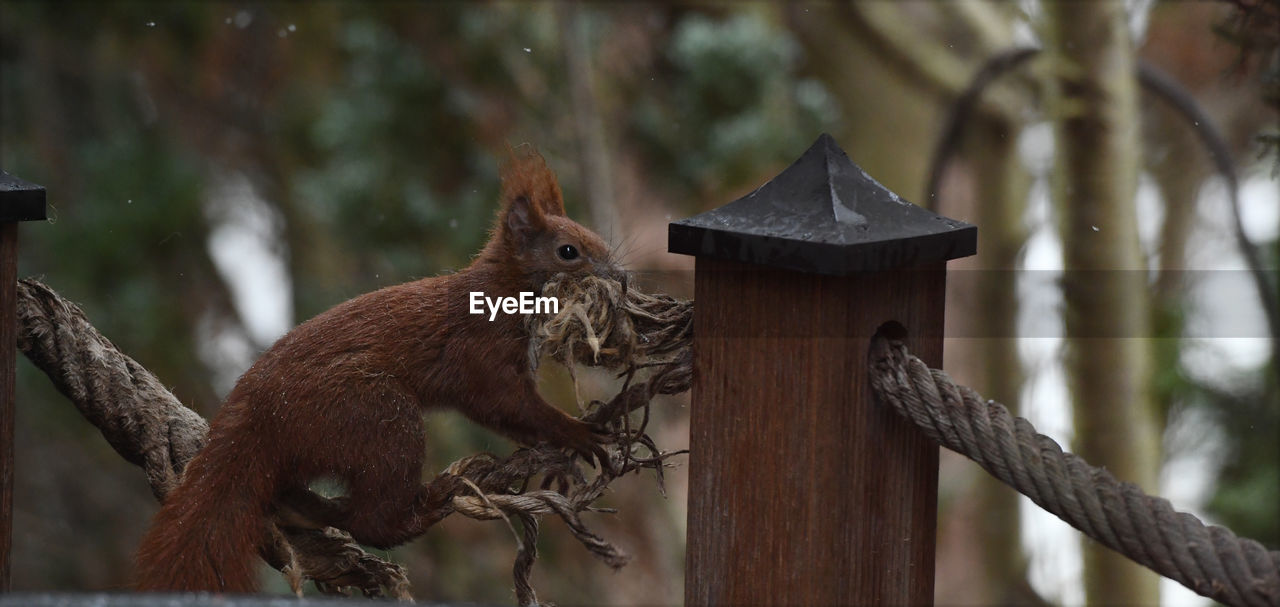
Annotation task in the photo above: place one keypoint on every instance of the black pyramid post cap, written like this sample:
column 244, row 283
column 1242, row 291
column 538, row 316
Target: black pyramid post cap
column 20, row 200
column 825, row 215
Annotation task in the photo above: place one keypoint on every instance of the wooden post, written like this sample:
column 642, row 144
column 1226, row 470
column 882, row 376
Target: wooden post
column 802, row 489
column 19, row 201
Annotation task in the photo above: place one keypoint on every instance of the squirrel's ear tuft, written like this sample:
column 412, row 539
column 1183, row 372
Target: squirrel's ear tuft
column 521, row 220
column 525, row 174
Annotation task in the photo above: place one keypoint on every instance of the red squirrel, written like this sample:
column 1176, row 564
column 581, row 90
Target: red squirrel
column 342, row 396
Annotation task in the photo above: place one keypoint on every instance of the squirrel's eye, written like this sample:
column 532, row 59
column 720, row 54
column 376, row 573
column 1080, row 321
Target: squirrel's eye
column 567, row 252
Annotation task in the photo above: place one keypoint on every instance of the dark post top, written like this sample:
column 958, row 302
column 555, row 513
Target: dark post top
column 20, row 200
column 825, row 215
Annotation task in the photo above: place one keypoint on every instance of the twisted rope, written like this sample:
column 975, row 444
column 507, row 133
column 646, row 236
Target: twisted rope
column 139, row 417
column 1209, row 560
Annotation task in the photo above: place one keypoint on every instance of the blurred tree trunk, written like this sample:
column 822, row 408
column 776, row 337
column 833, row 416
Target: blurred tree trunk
column 1001, row 189
column 902, row 115
column 1104, row 283
column 594, row 172
column 1177, row 162
column 1178, row 170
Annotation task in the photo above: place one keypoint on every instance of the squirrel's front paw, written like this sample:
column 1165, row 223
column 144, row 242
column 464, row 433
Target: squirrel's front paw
column 588, row 443
column 445, row 486
column 604, row 454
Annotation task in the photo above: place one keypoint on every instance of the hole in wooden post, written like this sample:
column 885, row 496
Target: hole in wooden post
column 892, row 331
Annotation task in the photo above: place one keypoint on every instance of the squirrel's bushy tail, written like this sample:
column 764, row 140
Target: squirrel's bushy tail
column 207, row 534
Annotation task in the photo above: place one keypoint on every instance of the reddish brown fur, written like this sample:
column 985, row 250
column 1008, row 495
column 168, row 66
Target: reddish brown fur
column 342, row 396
